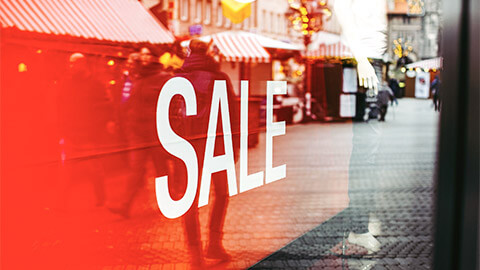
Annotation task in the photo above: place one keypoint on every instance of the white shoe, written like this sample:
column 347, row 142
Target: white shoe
column 366, row 240
column 374, row 225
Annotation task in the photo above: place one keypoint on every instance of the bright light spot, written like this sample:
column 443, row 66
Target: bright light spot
column 418, row 69
column 403, row 69
column 111, row 63
column 112, row 82
column 401, row 84
column 22, row 67
column 39, row 51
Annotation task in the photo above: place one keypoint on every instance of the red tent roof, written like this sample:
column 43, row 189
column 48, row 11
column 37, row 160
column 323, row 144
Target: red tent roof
column 109, row 20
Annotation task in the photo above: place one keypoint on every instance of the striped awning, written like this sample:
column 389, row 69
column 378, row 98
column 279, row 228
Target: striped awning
column 337, row 49
column 434, row 63
column 239, row 47
column 106, row 20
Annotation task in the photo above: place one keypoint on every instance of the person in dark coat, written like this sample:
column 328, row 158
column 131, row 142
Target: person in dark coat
column 84, row 114
column 138, row 113
column 435, row 88
column 201, row 69
column 393, row 84
column 385, row 95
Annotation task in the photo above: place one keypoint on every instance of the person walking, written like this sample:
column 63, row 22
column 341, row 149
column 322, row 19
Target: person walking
column 138, row 111
column 202, row 70
column 84, row 115
column 385, row 95
column 435, row 88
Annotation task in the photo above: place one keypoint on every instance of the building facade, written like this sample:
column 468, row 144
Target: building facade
column 415, row 25
column 205, row 17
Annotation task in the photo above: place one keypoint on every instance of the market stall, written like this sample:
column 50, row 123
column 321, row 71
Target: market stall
column 37, row 39
column 332, row 78
column 419, row 76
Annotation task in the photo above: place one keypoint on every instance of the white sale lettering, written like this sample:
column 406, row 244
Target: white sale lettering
column 182, row 149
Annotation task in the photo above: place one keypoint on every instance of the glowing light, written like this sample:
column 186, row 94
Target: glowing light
column 305, row 19
column 39, row 51
column 401, row 84
column 120, row 54
column 111, row 63
column 434, row 70
column 112, row 82
column 418, row 69
column 323, row 3
column 22, row 67
column 305, row 32
column 403, row 69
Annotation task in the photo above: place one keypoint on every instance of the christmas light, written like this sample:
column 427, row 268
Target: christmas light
column 22, row 67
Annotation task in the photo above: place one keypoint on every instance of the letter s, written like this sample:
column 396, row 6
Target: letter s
column 176, row 146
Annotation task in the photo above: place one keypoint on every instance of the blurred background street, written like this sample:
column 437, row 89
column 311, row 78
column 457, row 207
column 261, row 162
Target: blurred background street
column 295, row 223
column 83, row 124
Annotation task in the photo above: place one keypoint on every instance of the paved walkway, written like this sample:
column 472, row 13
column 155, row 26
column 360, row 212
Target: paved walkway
column 297, row 222
column 401, row 188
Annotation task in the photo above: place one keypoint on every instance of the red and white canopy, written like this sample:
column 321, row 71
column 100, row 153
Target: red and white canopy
column 109, row 20
column 327, row 45
column 240, row 47
column 434, row 63
column 331, row 50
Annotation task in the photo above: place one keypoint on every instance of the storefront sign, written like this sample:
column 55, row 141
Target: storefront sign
column 422, row 85
column 347, row 105
column 349, row 80
column 182, row 149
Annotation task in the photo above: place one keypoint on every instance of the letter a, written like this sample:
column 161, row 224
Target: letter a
column 213, row 164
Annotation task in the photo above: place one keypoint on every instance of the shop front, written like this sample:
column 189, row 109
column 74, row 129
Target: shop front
column 420, row 75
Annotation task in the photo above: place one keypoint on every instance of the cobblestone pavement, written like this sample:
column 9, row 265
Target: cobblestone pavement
column 402, row 190
column 295, row 223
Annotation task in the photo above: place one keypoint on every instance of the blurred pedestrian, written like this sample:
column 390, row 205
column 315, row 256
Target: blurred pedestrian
column 393, row 84
column 202, row 69
column 385, row 95
column 83, row 116
column 435, row 88
column 140, row 94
